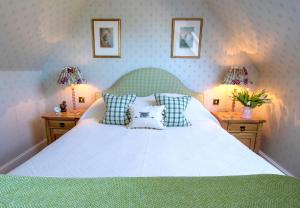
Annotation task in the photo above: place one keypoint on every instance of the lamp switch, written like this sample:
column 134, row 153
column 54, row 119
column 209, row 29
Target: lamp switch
column 81, row 99
column 216, row 101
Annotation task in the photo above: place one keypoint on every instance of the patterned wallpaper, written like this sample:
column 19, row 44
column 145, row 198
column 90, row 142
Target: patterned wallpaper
column 31, row 29
column 268, row 32
column 22, row 104
column 146, row 32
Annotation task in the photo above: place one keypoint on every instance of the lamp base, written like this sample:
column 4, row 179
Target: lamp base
column 233, row 106
column 73, row 98
column 233, row 101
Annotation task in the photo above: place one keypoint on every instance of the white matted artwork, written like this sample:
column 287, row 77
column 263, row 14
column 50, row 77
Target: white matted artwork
column 186, row 37
column 106, row 38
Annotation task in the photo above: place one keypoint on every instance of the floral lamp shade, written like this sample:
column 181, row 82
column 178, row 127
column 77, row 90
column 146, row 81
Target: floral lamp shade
column 71, row 75
column 237, row 76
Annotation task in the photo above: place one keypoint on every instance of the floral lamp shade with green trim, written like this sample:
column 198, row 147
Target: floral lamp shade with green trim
column 71, row 75
column 236, row 76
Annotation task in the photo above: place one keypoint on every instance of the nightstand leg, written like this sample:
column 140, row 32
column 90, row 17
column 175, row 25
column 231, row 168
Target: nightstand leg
column 258, row 138
column 47, row 132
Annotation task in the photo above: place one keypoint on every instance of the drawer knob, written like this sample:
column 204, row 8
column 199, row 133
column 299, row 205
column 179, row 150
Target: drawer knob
column 243, row 128
column 62, row 125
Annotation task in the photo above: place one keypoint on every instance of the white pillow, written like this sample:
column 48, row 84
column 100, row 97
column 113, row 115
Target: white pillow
column 142, row 116
column 145, row 101
column 95, row 112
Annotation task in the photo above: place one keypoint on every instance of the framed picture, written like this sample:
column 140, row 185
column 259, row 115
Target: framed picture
column 186, row 37
column 106, row 38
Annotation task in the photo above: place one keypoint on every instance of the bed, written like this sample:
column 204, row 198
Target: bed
column 146, row 164
column 92, row 149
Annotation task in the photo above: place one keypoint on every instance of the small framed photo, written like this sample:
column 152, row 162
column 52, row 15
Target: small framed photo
column 106, row 38
column 186, row 37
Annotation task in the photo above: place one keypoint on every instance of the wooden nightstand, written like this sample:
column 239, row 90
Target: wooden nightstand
column 59, row 124
column 248, row 131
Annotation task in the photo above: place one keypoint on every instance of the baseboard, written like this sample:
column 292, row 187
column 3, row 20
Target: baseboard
column 267, row 158
column 23, row 157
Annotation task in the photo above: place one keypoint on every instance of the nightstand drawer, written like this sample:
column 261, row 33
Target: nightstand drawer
column 59, row 131
column 247, row 139
column 241, row 127
column 61, row 124
column 56, row 133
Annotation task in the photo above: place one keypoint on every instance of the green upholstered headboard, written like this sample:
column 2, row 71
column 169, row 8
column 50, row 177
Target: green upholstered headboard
column 146, row 81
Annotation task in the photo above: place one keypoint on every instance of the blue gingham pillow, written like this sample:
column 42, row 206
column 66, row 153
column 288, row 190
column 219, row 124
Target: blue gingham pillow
column 117, row 109
column 174, row 109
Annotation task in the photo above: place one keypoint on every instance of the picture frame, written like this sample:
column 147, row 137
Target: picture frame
column 186, row 37
column 106, row 37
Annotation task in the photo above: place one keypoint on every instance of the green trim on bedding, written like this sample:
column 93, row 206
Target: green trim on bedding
column 268, row 191
column 147, row 81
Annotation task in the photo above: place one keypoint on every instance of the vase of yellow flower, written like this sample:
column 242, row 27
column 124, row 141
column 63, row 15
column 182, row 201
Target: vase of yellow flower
column 250, row 101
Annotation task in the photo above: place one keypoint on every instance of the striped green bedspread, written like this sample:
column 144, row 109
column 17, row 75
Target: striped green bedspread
column 231, row 191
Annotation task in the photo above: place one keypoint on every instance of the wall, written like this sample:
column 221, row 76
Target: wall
column 268, row 32
column 22, row 104
column 30, row 31
column 146, row 40
column 282, row 132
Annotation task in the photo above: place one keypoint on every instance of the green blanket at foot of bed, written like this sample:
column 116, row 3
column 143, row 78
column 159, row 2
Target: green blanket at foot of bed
column 231, row 191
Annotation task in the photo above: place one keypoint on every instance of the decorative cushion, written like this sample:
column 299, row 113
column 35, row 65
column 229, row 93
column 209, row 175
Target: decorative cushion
column 174, row 109
column 195, row 111
column 117, row 108
column 146, row 117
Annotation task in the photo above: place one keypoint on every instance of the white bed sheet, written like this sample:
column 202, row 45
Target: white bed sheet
column 96, row 150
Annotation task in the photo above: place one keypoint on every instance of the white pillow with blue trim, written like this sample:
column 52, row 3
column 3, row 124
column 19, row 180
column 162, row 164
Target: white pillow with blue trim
column 117, row 108
column 150, row 117
column 175, row 107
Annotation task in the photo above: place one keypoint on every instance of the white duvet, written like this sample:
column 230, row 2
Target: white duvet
column 96, row 150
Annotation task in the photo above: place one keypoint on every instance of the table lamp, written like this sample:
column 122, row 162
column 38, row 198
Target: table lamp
column 71, row 76
column 236, row 76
